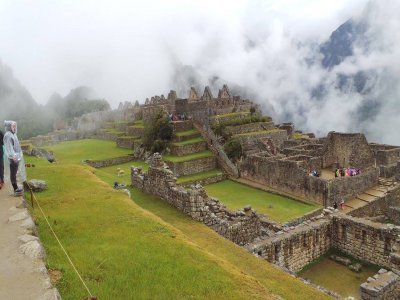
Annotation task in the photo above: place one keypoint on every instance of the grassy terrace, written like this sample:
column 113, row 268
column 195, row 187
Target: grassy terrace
column 113, row 130
column 199, row 176
column 240, row 113
column 189, row 157
column 138, row 124
column 187, row 132
column 129, row 137
column 236, row 195
column 259, row 132
column 140, row 249
column 298, row 136
column 188, row 142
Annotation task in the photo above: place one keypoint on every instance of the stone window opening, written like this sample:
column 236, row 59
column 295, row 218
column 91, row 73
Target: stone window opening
column 277, row 249
column 304, row 240
column 387, row 246
column 317, row 236
column 344, row 233
column 364, row 236
column 259, row 253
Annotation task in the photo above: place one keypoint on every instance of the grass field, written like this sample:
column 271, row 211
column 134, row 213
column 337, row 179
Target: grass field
column 141, row 249
column 76, row 151
column 236, row 195
column 327, row 272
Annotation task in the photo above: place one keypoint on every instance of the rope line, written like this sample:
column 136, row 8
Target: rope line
column 59, row 242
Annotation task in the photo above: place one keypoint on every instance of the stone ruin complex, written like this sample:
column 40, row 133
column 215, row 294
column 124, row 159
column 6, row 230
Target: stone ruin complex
column 279, row 158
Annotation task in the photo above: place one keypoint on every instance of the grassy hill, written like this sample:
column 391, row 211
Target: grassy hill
column 144, row 248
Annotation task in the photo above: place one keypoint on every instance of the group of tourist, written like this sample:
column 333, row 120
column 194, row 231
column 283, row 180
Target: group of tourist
column 314, row 173
column 342, row 172
column 10, row 154
column 172, row 117
column 335, row 205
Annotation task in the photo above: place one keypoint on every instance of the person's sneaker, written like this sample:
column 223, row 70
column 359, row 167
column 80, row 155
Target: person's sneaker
column 18, row 191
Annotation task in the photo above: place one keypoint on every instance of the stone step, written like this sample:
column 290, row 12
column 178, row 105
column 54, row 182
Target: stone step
column 366, row 198
column 374, row 192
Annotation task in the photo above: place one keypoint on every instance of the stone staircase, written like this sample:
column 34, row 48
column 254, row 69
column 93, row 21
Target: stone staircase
column 189, row 158
column 380, row 190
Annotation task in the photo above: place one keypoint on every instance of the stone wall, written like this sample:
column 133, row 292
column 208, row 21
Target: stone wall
column 347, row 150
column 393, row 213
column 134, row 131
column 188, row 149
column 103, row 134
column 214, row 145
column 297, row 248
column 277, row 136
column 379, row 206
column 286, row 175
column 382, row 286
column 182, row 125
column 365, row 240
column 192, row 166
column 350, row 186
column 251, row 127
column 127, row 142
column 109, row 162
column 241, row 227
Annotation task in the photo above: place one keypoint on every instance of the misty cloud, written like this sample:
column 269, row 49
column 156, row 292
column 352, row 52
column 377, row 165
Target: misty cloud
column 268, row 51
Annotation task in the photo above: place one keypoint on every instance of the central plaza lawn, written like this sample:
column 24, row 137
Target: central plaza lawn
column 141, row 249
column 76, row 151
column 279, row 208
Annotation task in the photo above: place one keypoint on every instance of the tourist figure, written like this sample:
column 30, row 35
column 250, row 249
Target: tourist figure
column 1, row 160
column 13, row 154
column 342, row 204
column 335, row 205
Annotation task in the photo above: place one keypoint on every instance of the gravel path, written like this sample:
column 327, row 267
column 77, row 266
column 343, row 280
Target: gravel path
column 23, row 274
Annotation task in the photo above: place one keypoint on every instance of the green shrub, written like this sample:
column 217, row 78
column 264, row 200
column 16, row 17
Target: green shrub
column 157, row 134
column 233, row 148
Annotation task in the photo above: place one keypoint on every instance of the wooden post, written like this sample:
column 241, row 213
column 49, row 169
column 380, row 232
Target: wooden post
column 30, row 190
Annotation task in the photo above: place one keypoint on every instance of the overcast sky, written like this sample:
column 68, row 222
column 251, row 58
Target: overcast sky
column 128, row 50
column 132, row 50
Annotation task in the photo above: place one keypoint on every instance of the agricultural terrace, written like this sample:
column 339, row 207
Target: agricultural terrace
column 279, row 208
column 142, row 248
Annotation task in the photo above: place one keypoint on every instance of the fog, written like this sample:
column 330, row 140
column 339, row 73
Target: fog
column 268, row 50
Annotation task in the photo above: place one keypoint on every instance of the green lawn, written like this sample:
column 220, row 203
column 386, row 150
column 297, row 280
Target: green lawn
column 189, row 157
column 141, row 249
column 326, row 273
column 188, row 142
column 75, row 151
column 279, row 208
column 199, row 176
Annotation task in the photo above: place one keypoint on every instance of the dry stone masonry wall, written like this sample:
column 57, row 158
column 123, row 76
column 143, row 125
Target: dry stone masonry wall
column 241, row 227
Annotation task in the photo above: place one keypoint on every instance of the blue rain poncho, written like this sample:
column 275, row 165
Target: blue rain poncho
column 13, row 151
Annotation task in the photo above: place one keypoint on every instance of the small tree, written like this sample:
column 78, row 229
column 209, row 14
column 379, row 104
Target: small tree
column 233, row 148
column 157, row 134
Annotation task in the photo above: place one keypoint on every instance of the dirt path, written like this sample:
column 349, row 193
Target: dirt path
column 21, row 276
